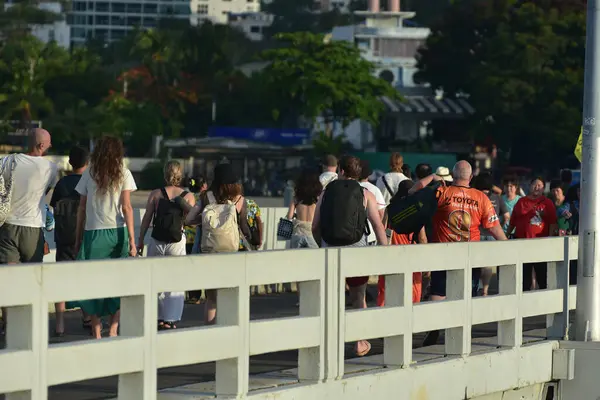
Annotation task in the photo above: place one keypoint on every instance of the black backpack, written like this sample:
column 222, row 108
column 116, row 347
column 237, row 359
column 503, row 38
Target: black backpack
column 408, row 214
column 168, row 220
column 343, row 214
column 65, row 220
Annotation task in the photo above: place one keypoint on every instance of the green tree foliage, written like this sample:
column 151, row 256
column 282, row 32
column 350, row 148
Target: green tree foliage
column 521, row 63
column 315, row 78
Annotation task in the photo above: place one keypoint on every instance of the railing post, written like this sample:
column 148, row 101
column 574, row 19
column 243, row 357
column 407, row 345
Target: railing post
column 510, row 332
column 332, row 310
column 458, row 287
column 138, row 319
column 23, row 333
column 310, row 360
column 233, row 308
column 397, row 350
column 558, row 278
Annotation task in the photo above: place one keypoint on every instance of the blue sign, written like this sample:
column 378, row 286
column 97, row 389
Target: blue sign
column 281, row 137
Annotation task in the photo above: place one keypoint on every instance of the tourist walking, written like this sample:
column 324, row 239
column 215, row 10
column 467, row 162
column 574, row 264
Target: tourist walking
column 27, row 179
column 341, row 219
column 330, row 166
column 510, row 199
column 105, row 221
column 65, row 202
column 307, row 190
column 388, row 183
column 461, row 211
column 167, row 215
column 218, row 213
column 534, row 216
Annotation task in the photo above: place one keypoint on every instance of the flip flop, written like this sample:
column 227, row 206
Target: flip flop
column 365, row 351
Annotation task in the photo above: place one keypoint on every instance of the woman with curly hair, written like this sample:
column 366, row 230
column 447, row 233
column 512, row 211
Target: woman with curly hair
column 308, row 188
column 105, row 221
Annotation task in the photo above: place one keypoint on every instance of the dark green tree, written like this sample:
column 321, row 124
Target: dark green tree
column 320, row 79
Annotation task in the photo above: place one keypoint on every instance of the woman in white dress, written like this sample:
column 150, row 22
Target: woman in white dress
column 170, row 304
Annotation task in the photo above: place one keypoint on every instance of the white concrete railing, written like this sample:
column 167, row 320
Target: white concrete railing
column 30, row 364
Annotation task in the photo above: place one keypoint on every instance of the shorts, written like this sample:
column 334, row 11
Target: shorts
column 21, row 244
column 65, row 252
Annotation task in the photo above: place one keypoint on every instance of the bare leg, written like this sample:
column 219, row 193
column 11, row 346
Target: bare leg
column 114, row 324
column 3, row 324
column 210, row 307
column 486, row 277
column 358, row 298
column 96, row 327
column 59, row 328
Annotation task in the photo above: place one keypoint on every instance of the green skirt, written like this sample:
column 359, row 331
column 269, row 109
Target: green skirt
column 98, row 245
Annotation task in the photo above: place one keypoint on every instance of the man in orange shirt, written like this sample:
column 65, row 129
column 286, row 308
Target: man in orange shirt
column 461, row 211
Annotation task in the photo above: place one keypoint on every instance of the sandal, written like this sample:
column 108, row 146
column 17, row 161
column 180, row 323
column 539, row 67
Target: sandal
column 169, row 325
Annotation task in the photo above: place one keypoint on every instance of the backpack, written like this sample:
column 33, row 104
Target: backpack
column 6, row 186
column 65, row 220
column 220, row 230
column 168, row 219
column 343, row 213
column 408, row 214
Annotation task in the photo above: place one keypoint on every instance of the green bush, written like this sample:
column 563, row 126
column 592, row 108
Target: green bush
column 151, row 176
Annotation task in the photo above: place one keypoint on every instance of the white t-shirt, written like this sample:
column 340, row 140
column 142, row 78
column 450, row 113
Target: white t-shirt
column 327, row 177
column 380, row 205
column 103, row 210
column 393, row 179
column 33, row 177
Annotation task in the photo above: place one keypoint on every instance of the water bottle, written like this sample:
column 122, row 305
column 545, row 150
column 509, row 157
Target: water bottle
column 49, row 219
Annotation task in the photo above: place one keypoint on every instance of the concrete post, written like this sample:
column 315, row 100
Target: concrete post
column 588, row 284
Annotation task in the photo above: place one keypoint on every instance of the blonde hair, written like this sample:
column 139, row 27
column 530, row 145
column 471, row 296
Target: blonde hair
column 396, row 162
column 173, row 173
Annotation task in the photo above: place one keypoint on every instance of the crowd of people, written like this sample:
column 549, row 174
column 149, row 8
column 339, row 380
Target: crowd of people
column 338, row 206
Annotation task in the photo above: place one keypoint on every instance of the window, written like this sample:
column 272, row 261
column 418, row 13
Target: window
column 134, row 8
column 150, row 22
column 102, row 20
column 396, row 47
column 79, row 20
column 118, row 7
column 150, row 8
column 79, row 6
column 134, row 21
column 78, row 33
column 102, row 7
column 202, row 8
column 116, row 34
column 117, row 20
column 51, row 36
column 255, row 29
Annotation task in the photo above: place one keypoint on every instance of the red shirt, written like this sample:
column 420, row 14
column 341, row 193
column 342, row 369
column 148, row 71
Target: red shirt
column 461, row 211
column 532, row 217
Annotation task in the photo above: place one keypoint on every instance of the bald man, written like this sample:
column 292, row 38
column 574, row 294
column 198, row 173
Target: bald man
column 461, row 211
column 21, row 236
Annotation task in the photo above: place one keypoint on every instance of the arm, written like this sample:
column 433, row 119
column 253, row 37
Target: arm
column 80, row 222
column 291, row 210
column 497, row 190
column 375, row 219
column 316, row 222
column 128, row 214
column 150, row 207
column 497, row 232
column 55, row 195
column 422, row 236
column 423, row 183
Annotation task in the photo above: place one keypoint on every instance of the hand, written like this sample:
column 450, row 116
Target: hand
column 140, row 248
column 567, row 214
column 132, row 249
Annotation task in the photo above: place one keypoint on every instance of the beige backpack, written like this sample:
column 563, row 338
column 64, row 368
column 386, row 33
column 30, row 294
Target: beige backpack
column 220, row 231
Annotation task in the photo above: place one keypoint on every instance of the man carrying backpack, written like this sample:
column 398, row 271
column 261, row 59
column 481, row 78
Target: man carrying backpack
column 65, row 202
column 341, row 219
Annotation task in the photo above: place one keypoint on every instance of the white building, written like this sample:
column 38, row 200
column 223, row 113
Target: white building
column 111, row 20
column 218, row 10
column 58, row 31
column 392, row 47
column 252, row 24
